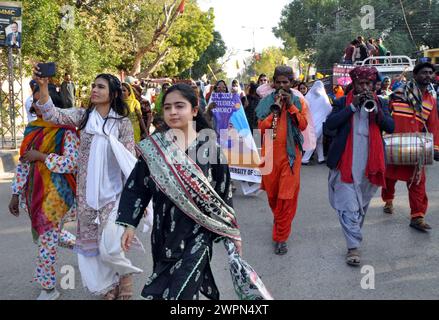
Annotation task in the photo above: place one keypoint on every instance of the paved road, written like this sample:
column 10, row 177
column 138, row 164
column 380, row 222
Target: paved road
column 405, row 261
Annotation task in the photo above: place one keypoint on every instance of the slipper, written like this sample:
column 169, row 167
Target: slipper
column 353, row 257
column 419, row 224
column 388, row 208
column 281, row 248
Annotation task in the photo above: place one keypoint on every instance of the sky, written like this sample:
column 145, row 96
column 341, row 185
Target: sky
column 236, row 19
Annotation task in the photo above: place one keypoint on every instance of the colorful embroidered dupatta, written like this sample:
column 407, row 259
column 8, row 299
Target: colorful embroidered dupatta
column 48, row 195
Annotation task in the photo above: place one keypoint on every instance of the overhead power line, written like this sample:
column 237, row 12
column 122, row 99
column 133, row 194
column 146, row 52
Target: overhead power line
column 406, row 22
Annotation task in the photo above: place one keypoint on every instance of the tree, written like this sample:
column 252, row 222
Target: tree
column 112, row 35
column 329, row 25
column 192, row 35
column 269, row 59
column 210, row 56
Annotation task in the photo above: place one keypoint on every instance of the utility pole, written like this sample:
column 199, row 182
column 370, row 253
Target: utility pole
column 253, row 29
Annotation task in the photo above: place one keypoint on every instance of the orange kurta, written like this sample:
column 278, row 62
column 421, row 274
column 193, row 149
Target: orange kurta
column 282, row 183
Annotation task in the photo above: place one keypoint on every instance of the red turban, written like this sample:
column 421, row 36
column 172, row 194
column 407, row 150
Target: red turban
column 369, row 73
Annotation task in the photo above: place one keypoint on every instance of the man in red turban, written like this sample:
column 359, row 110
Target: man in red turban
column 356, row 155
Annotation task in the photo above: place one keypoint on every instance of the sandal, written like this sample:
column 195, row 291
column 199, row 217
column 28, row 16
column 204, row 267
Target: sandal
column 125, row 288
column 388, row 208
column 353, row 257
column 281, row 248
column 419, row 224
column 112, row 294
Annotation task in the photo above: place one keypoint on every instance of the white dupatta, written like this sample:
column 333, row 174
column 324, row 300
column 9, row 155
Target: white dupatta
column 108, row 160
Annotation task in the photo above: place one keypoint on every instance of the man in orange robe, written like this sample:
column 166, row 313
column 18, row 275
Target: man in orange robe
column 282, row 116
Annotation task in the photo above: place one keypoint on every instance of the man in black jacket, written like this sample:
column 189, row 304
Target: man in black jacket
column 356, row 155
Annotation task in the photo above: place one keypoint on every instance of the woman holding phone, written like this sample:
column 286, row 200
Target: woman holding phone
column 105, row 130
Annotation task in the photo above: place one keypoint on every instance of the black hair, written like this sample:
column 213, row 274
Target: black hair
column 302, row 84
column 252, row 88
column 189, row 94
column 217, row 83
column 126, row 85
column 423, row 65
column 284, row 71
column 54, row 95
column 116, row 101
column 262, row 75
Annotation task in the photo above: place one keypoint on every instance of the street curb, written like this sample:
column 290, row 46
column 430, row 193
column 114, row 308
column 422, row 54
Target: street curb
column 8, row 160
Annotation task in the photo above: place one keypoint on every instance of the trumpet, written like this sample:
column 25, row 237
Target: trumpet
column 276, row 110
column 368, row 103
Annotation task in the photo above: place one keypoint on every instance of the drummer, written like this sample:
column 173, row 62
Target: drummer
column 356, row 155
column 413, row 114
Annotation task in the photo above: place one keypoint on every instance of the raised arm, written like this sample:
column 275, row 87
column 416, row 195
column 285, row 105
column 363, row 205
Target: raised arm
column 301, row 116
column 70, row 117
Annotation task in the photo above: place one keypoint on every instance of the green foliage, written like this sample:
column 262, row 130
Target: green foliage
column 190, row 37
column 313, row 24
column 210, row 56
column 270, row 58
column 108, row 34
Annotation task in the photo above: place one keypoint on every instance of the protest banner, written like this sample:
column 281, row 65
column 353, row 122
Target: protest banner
column 235, row 137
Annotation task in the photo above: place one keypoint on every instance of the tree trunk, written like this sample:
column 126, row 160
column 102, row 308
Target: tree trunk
column 161, row 31
column 150, row 69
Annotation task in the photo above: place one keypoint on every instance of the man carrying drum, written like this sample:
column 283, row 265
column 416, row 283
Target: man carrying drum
column 414, row 109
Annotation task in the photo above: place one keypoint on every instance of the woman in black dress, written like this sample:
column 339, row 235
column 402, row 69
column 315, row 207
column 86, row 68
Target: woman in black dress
column 188, row 179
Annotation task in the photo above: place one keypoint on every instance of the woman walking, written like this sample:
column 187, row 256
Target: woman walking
column 134, row 107
column 45, row 185
column 320, row 108
column 106, row 132
column 192, row 202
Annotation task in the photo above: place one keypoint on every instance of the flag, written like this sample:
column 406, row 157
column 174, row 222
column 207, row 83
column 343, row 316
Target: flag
column 181, row 7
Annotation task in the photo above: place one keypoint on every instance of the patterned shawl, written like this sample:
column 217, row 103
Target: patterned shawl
column 180, row 178
column 48, row 195
column 294, row 136
column 411, row 94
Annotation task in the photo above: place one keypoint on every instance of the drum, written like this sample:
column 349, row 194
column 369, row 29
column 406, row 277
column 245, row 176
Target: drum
column 415, row 148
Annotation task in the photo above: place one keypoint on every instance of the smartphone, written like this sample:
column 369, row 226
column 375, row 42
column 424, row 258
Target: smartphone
column 47, row 69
